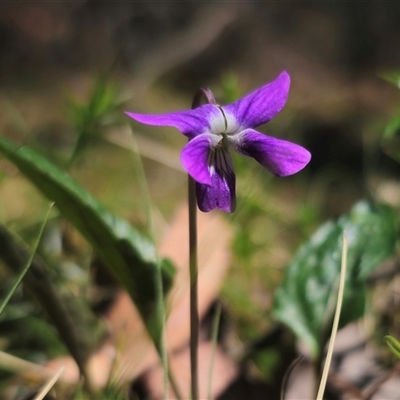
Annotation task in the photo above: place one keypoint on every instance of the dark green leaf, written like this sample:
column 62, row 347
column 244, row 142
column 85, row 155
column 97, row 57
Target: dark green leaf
column 129, row 255
column 306, row 300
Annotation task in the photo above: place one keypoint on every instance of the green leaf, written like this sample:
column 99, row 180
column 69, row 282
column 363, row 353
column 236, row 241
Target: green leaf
column 305, row 301
column 131, row 257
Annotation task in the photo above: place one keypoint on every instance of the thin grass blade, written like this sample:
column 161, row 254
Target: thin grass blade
column 130, row 256
column 28, row 264
column 335, row 325
column 48, row 386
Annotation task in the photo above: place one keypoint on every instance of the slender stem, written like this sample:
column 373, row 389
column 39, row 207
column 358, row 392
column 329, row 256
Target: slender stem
column 194, row 315
column 162, row 347
column 28, row 263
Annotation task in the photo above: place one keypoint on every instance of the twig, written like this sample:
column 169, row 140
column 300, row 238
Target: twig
column 341, row 384
column 379, row 382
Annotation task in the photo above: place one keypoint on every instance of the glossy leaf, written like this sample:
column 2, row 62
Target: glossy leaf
column 305, row 301
column 131, row 257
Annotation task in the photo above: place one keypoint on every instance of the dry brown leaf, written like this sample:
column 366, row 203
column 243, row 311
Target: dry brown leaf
column 129, row 352
column 214, row 235
column 224, row 371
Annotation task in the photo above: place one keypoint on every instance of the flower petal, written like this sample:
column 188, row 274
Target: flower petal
column 278, row 156
column 191, row 122
column 195, row 155
column 221, row 193
column 260, row 106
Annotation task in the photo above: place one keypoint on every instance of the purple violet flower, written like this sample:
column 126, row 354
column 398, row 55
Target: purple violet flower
column 213, row 130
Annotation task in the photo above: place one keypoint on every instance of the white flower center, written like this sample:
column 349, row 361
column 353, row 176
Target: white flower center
column 223, row 124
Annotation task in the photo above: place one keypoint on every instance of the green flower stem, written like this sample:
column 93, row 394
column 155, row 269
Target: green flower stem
column 194, row 314
column 161, row 313
column 202, row 93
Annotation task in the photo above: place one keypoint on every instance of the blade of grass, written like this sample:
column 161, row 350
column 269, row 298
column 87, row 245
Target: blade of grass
column 48, row 386
column 146, row 147
column 19, row 366
column 335, row 324
column 129, row 255
column 28, row 264
column 160, row 308
column 38, row 283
